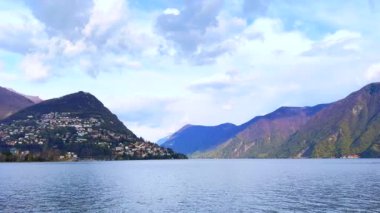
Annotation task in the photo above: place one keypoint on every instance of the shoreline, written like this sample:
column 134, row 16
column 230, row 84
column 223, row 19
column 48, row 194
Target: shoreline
column 224, row 159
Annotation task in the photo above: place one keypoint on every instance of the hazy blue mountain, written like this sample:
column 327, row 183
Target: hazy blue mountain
column 193, row 138
column 163, row 140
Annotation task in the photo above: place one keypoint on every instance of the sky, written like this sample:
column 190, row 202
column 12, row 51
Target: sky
column 162, row 64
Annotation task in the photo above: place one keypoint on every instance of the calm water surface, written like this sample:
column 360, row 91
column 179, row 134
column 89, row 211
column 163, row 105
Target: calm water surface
column 340, row 185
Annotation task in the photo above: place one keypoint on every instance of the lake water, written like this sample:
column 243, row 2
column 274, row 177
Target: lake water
column 339, row 185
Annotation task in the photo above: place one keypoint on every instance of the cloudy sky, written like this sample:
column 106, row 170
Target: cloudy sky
column 162, row 64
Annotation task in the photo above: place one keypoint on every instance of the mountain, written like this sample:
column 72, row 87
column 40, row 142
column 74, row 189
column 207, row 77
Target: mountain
column 162, row 140
column 73, row 126
column 193, row 138
column 263, row 135
column 34, row 99
column 80, row 104
column 231, row 141
column 11, row 102
column 347, row 127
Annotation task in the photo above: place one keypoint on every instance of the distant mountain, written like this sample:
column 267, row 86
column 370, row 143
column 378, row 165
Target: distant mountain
column 75, row 125
column 34, row 99
column 231, row 141
column 347, row 127
column 11, row 102
column 192, row 138
column 263, row 136
column 162, row 140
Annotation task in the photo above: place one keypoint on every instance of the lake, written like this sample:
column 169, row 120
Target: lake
column 294, row 185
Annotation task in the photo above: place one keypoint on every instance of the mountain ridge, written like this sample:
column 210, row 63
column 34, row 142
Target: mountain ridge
column 217, row 140
column 350, row 124
column 265, row 133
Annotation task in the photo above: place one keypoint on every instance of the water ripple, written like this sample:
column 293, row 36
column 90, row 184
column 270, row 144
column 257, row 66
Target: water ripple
column 192, row 186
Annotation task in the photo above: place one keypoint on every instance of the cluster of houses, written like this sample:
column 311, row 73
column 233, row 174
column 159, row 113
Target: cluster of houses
column 33, row 130
column 14, row 134
column 141, row 150
column 70, row 129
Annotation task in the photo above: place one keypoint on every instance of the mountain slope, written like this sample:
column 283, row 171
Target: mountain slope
column 163, row 140
column 80, row 104
column 74, row 125
column 11, row 102
column 263, row 135
column 347, row 127
column 34, row 99
column 192, row 138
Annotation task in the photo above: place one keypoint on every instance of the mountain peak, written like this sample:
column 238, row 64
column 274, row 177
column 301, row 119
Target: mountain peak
column 80, row 94
column 83, row 93
column 372, row 88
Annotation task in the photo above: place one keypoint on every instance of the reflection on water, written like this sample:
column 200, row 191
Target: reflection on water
column 192, row 185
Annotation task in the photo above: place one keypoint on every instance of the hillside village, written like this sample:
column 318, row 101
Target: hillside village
column 57, row 136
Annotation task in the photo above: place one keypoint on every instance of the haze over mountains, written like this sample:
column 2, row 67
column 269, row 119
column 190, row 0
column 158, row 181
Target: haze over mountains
column 345, row 128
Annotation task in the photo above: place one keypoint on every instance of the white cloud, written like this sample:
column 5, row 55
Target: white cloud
column 339, row 37
column 134, row 39
column 188, row 32
column 72, row 49
column 227, row 107
column 373, row 73
column 268, row 37
column 172, row 11
column 222, row 82
column 19, row 31
column 34, row 67
column 107, row 32
column 339, row 43
column 104, row 15
column 126, row 62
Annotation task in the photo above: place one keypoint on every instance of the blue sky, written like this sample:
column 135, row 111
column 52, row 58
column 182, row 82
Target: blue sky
column 162, row 64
